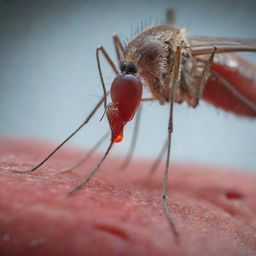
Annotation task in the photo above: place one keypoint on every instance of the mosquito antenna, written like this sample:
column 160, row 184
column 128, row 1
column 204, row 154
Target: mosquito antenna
column 88, row 155
column 134, row 140
column 69, row 137
column 89, row 176
column 158, row 160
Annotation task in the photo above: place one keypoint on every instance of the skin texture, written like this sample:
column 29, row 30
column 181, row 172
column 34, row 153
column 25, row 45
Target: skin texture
column 119, row 212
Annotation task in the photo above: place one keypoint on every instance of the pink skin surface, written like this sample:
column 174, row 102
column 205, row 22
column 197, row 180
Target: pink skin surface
column 119, row 212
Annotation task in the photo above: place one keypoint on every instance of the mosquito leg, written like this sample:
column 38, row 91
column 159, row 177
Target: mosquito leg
column 104, row 52
column 231, row 88
column 69, row 137
column 118, row 47
column 135, row 136
column 128, row 158
column 204, row 78
column 148, row 99
column 111, row 63
column 89, row 176
column 175, row 75
column 166, row 173
column 158, row 160
column 206, row 51
column 88, row 155
column 109, row 60
column 234, row 91
column 103, row 99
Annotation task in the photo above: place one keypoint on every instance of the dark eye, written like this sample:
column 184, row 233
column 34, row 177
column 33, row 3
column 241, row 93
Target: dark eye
column 131, row 68
column 122, row 66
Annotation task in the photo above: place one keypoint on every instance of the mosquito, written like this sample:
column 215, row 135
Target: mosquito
column 175, row 69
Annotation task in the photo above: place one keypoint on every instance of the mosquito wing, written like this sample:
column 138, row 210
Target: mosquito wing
column 204, row 45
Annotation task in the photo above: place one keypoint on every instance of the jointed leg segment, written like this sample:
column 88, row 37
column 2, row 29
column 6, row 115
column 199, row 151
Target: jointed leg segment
column 128, row 158
column 118, row 47
column 105, row 54
column 204, row 78
column 88, row 154
column 68, row 138
column 175, row 68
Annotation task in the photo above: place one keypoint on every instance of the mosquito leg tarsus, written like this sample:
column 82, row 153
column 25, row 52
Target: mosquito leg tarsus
column 89, row 176
column 135, row 135
column 174, row 79
column 204, row 78
column 68, row 138
column 158, row 160
column 88, row 154
column 128, row 157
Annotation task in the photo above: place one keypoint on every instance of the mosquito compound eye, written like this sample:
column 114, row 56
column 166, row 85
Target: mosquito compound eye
column 126, row 92
column 122, row 66
column 131, row 68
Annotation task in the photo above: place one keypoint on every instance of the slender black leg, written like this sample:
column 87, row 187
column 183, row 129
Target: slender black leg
column 69, row 137
column 174, row 79
column 128, row 158
column 89, row 176
column 88, row 154
column 118, row 47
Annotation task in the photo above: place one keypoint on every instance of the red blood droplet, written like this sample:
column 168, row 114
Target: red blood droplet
column 116, row 123
column 126, row 92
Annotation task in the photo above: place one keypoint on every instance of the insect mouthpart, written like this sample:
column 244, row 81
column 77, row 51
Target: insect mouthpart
column 125, row 92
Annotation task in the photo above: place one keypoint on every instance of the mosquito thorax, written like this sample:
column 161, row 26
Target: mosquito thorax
column 125, row 92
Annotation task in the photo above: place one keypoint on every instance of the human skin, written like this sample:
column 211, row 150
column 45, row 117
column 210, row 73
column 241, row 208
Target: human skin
column 119, row 212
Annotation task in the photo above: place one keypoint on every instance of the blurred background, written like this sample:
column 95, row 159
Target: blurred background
column 49, row 80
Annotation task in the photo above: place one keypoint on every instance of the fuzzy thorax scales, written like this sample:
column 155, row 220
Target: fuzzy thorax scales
column 152, row 51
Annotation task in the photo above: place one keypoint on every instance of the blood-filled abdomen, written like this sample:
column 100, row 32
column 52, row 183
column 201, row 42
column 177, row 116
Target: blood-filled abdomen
column 125, row 92
column 232, row 86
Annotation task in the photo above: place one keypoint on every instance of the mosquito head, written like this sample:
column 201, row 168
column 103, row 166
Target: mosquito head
column 126, row 92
